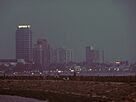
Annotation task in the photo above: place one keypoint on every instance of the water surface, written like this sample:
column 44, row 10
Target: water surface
column 7, row 98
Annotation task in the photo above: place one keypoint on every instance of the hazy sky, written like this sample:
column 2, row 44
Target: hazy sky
column 108, row 25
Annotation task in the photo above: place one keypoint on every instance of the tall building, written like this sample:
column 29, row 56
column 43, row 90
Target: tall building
column 68, row 55
column 64, row 55
column 41, row 53
column 92, row 55
column 53, row 55
column 60, row 55
column 24, row 42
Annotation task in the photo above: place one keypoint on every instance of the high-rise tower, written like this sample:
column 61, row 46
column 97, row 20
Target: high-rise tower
column 64, row 55
column 24, row 42
column 41, row 53
column 92, row 55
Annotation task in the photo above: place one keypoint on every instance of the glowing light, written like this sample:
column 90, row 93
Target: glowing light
column 72, row 70
column 59, row 71
column 117, row 62
column 24, row 26
column 90, row 69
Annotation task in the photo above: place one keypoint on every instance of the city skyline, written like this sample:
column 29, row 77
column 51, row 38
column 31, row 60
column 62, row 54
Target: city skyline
column 68, row 50
column 107, row 25
column 20, row 26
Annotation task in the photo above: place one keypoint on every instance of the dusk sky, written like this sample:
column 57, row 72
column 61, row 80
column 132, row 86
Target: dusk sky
column 108, row 25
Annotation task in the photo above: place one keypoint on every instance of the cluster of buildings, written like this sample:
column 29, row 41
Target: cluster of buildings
column 92, row 55
column 41, row 54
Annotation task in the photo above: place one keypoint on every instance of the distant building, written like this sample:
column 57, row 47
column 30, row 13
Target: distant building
column 24, row 42
column 53, row 55
column 41, row 53
column 60, row 55
column 64, row 55
column 121, row 63
column 92, row 55
column 68, row 55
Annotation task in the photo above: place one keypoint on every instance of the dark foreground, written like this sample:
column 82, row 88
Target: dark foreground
column 70, row 90
column 52, row 97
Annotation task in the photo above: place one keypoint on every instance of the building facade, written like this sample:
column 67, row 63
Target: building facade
column 53, row 55
column 68, row 55
column 24, row 43
column 92, row 55
column 60, row 55
column 41, row 54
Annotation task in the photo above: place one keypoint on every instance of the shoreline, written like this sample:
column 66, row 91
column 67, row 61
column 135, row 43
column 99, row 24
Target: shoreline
column 52, row 97
column 15, row 98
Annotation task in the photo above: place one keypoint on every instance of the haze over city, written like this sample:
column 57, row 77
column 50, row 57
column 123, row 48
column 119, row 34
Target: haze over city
column 107, row 25
column 68, row 50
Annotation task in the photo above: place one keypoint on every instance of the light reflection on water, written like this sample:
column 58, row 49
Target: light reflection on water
column 7, row 98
